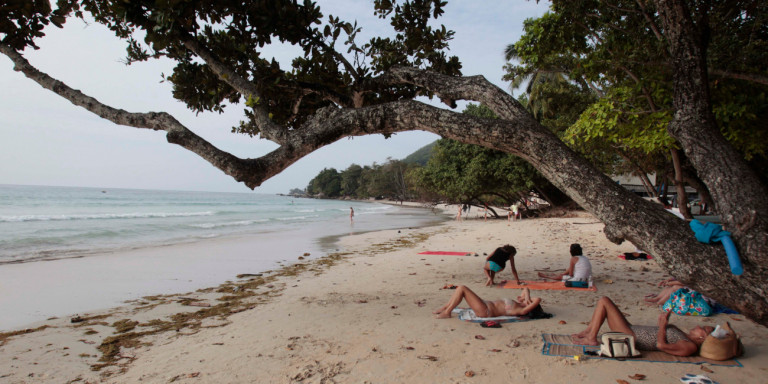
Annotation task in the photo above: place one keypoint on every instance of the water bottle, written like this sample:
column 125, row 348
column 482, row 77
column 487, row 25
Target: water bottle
column 590, row 281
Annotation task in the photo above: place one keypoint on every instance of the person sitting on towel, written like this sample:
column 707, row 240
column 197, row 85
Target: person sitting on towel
column 578, row 270
column 664, row 337
column 496, row 262
column 506, row 307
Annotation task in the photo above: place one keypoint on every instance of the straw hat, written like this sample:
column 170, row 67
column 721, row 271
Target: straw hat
column 722, row 349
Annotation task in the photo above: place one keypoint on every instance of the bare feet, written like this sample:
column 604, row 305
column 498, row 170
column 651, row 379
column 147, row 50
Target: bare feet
column 439, row 310
column 585, row 341
column 443, row 316
column 581, row 334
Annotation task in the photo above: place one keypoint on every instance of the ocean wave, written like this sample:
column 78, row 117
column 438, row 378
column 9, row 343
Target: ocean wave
column 100, row 216
column 227, row 224
column 297, row 218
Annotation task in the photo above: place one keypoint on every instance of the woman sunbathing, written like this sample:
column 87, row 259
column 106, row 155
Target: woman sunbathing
column 506, row 307
column 664, row 337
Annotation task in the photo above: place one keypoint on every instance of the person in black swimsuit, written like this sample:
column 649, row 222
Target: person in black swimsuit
column 664, row 337
column 496, row 262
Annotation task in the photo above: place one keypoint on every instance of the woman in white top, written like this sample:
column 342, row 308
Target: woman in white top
column 579, row 270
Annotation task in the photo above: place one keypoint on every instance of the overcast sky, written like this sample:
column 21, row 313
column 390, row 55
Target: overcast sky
column 45, row 140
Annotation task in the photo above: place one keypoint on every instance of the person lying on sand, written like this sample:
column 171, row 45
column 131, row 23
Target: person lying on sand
column 506, row 307
column 670, row 286
column 578, row 270
column 496, row 261
column 664, row 337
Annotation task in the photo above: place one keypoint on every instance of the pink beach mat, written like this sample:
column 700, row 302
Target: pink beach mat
column 446, row 253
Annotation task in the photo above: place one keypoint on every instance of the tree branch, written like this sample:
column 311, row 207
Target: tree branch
column 266, row 126
column 753, row 77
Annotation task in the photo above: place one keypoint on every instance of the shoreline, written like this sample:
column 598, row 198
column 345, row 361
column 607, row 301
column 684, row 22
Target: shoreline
column 33, row 291
column 364, row 314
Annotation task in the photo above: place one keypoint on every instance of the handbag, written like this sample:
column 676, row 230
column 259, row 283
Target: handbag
column 686, row 302
column 722, row 348
column 617, row 344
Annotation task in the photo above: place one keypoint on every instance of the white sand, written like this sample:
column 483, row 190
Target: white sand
column 368, row 319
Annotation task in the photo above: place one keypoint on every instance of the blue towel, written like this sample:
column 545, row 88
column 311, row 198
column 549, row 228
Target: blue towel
column 708, row 233
column 719, row 308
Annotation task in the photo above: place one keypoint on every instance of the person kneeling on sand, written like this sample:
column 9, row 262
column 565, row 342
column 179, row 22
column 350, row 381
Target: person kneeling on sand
column 496, row 262
column 506, row 307
column 578, row 270
column 664, row 337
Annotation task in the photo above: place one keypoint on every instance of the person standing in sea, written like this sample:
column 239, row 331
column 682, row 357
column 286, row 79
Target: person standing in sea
column 351, row 215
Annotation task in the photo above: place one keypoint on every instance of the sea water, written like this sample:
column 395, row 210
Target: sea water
column 66, row 250
column 44, row 223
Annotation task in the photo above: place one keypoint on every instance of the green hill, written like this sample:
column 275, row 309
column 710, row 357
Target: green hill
column 421, row 156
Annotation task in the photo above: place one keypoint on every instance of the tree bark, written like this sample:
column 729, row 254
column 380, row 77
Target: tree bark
column 682, row 196
column 740, row 197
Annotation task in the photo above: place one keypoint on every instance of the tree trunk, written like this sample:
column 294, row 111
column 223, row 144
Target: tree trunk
column 740, row 197
column 682, row 196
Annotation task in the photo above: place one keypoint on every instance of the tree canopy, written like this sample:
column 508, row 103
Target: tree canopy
column 590, row 44
column 340, row 87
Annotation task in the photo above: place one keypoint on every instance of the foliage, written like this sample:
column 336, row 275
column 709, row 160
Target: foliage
column 233, row 31
column 464, row 173
column 421, row 156
column 630, row 72
column 22, row 21
column 327, row 183
column 350, row 180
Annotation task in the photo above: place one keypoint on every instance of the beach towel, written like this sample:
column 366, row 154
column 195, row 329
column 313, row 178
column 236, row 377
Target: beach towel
column 446, row 253
column 543, row 285
column 467, row 314
column 708, row 233
column 630, row 256
column 562, row 345
column 719, row 308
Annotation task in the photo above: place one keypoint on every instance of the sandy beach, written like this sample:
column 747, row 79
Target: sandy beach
column 364, row 315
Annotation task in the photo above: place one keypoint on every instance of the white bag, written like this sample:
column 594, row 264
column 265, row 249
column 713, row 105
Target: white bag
column 617, row 344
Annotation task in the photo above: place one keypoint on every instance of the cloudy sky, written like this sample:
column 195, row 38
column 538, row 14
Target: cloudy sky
column 45, row 140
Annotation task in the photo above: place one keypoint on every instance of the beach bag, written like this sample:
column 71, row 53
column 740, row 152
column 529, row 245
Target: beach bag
column 576, row 284
column 721, row 348
column 686, row 302
column 617, row 344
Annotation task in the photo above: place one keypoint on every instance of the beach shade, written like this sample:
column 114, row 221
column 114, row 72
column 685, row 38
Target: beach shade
column 711, row 233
